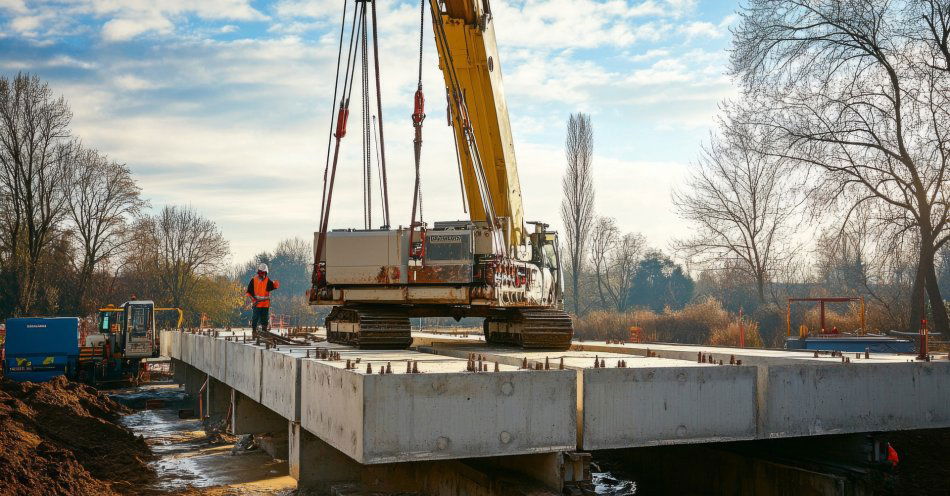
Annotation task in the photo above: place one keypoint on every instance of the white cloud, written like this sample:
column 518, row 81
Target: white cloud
column 134, row 83
column 650, row 55
column 122, row 19
column 123, row 29
column 701, row 29
column 26, row 24
column 14, row 6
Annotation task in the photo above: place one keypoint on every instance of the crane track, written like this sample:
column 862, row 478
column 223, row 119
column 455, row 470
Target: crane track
column 533, row 329
column 368, row 328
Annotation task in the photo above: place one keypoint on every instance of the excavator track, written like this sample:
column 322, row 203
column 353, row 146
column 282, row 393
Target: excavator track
column 531, row 329
column 368, row 328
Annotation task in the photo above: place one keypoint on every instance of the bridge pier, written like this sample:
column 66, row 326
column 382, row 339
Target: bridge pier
column 315, row 464
column 217, row 400
column 251, row 417
column 318, row 466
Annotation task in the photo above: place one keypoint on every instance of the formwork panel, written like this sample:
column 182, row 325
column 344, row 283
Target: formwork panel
column 331, row 406
column 443, row 412
column 201, row 351
column 806, row 400
column 629, row 407
column 438, row 416
column 280, row 383
column 164, row 344
column 187, row 347
column 219, row 362
column 174, row 344
column 243, row 371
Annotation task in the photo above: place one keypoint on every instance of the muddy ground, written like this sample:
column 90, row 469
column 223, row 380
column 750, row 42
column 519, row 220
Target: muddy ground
column 61, row 437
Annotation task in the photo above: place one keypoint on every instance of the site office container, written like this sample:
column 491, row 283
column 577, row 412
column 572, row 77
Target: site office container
column 40, row 348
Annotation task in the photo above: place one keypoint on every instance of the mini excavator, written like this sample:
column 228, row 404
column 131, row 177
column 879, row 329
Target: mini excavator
column 492, row 265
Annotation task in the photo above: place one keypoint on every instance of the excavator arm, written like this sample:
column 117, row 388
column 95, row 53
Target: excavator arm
column 468, row 57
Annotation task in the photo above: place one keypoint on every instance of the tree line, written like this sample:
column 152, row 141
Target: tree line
column 827, row 175
column 75, row 231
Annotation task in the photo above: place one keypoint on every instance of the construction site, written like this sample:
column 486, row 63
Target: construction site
column 793, row 341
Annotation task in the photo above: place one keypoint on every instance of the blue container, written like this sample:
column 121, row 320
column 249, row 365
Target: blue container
column 38, row 349
column 856, row 344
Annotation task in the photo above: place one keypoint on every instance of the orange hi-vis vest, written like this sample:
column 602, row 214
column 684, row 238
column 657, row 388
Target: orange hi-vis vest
column 261, row 289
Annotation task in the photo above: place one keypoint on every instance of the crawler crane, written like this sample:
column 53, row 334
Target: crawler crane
column 491, row 265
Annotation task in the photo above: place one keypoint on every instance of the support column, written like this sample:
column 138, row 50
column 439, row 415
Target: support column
column 250, row 417
column 315, row 464
column 178, row 371
column 193, row 379
column 217, row 400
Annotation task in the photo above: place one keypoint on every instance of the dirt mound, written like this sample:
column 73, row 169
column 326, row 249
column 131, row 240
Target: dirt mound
column 61, row 437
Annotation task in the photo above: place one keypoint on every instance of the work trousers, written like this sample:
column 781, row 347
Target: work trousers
column 261, row 317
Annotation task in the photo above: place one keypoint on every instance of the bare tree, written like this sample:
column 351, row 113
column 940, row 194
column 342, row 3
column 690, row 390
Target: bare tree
column 102, row 196
column 35, row 152
column 855, row 93
column 181, row 246
column 577, row 207
column 614, row 258
column 739, row 202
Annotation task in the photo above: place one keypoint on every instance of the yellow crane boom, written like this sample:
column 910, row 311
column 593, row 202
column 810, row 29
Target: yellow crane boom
column 468, row 57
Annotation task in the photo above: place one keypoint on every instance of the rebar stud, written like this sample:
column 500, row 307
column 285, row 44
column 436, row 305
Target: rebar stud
column 496, row 366
column 547, row 363
column 408, row 366
column 389, row 367
column 369, row 368
column 561, row 365
column 415, row 367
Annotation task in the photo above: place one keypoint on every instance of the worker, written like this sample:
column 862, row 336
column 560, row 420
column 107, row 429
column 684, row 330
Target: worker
column 258, row 289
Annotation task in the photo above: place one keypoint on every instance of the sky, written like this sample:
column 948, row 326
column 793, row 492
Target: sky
column 225, row 105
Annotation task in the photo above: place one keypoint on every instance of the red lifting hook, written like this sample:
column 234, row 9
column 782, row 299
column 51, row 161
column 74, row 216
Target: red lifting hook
column 419, row 113
column 341, row 118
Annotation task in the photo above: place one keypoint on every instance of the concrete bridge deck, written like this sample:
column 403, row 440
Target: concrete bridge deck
column 370, row 407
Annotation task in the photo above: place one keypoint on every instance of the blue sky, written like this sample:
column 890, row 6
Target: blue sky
column 224, row 105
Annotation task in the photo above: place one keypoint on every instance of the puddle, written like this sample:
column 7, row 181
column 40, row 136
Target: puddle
column 608, row 484
column 188, row 462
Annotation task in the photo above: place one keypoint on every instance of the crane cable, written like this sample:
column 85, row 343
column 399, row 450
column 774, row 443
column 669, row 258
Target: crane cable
column 343, row 114
column 381, row 151
column 418, row 115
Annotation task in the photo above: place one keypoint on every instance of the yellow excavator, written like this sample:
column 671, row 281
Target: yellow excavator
column 491, row 265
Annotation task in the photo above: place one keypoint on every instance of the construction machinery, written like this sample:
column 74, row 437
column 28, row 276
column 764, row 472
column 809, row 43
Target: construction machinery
column 491, row 265
column 124, row 337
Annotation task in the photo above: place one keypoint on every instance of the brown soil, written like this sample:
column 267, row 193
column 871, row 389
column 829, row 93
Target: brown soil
column 61, row 437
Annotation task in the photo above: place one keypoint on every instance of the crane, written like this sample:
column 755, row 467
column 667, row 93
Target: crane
column 490, row 265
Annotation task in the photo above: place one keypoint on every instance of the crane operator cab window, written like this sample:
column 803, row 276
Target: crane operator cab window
column 139, row 320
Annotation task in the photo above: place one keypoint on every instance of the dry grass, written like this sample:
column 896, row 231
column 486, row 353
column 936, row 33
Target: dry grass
column 729, row 335
column 698, row 323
